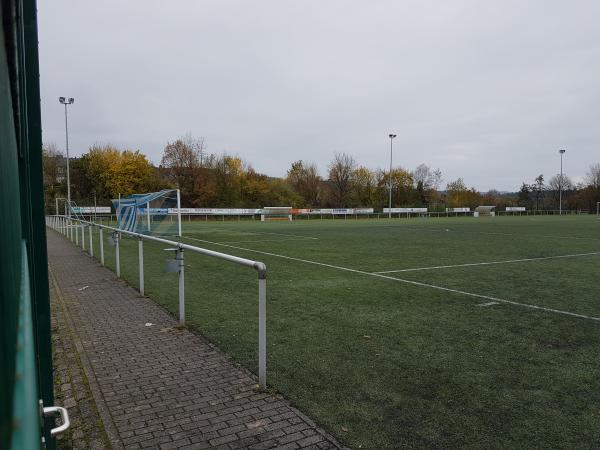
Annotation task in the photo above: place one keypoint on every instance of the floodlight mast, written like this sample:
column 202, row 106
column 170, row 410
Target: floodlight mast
column 66, row 102
column 561, row 151
column 392, row 136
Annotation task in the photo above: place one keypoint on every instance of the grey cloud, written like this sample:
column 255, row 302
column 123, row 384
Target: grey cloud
column 488, row 91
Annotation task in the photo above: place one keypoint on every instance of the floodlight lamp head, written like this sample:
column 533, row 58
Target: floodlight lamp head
column 392, row 136
column 71, row 100
column 561, row 151
column 61, row 99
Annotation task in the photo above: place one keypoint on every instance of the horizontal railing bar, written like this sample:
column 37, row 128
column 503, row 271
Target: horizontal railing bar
column 259, row 266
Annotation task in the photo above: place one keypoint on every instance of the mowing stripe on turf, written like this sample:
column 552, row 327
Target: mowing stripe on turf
column 257, row 241
column 495, row 233
column 283, row 234
column 414, row 283
column 527, row 235
column 541, row 258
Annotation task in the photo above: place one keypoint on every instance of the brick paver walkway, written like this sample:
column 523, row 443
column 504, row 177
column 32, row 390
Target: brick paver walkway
column 72, row 388
column 160, row 387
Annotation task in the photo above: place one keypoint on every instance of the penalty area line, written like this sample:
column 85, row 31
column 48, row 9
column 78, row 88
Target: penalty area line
column 401, row 280
column 508, row 261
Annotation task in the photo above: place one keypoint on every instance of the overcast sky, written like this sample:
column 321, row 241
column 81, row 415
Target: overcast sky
column 484, row 90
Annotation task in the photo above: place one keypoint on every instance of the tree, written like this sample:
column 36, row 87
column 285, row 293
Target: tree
column 427, row 182
column 364, row 185
column 340, row 177
column 91, row 172
column 281, row 193
column 429, row 179
column 592, row 178
column 538, row 189
column 590, row 194
column 130, row 173
column 524, row 192
column 107, row 171
column 229, row 174
column 306, row 181
column 52, row 164
column 255, row 189
column 403, row 192
column 54, row 171
column 560, row 185
column 182, row 160
column 458, row 195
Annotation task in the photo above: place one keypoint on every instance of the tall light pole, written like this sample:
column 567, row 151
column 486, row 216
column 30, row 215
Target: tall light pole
column 67, row 102
column 392, row 136
column 561, row 151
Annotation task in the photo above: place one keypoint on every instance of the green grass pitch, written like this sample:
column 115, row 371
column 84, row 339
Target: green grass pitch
column 501, row 355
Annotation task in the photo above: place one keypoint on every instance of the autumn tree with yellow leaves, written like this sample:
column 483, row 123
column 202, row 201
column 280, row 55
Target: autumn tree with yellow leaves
column 107, row 171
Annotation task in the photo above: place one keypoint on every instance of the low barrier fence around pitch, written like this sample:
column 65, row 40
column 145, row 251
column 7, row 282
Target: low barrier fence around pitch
column 111, row 219
column 72, row 228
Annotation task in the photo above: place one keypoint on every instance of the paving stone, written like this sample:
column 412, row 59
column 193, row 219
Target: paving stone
column 158, row 386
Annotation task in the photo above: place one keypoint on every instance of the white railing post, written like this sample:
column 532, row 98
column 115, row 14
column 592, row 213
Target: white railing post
column 141, row 263
column 179, row 212
column 101, row 247
column 82, row 237
column 76, row 234
column 181, row 286
column 91, row 240
column 117, row 256
column 262, row 331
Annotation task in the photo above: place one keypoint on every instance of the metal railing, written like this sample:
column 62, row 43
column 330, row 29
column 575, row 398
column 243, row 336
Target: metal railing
column 71, row 228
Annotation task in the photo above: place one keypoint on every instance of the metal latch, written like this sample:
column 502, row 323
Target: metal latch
column 50, row 411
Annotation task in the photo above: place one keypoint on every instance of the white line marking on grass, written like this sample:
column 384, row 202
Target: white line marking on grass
column 414, row 283
column 487, row 304
column 507, row 261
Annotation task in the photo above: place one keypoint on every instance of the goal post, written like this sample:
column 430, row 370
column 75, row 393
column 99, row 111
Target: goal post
column 276, row 213
column 149, row 213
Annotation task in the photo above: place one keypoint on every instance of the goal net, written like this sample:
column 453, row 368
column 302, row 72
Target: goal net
column 271, row 213
column 149, row 213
